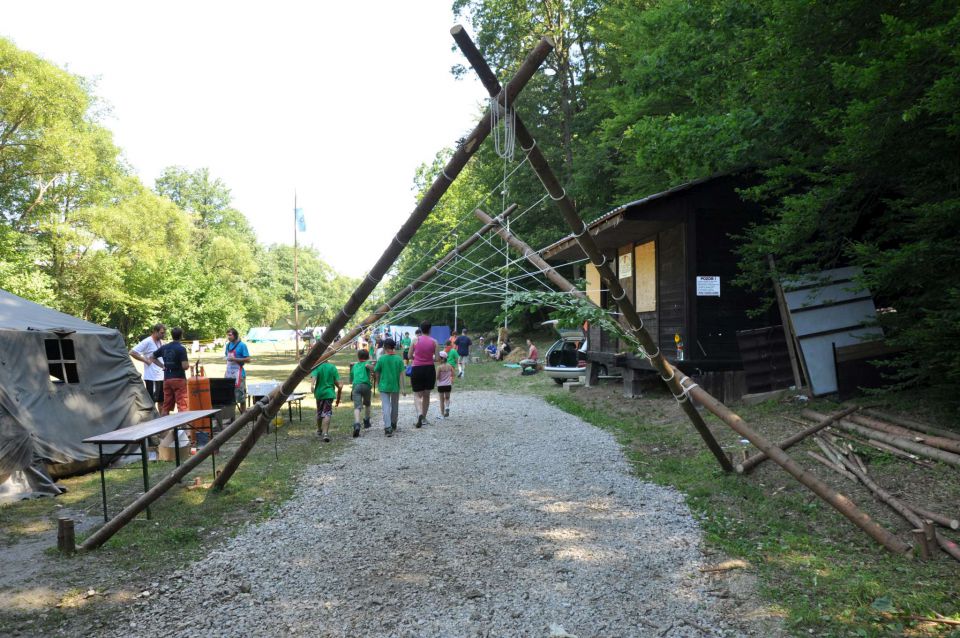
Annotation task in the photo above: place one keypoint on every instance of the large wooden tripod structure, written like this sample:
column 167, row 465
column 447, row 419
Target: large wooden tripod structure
column 263, row 412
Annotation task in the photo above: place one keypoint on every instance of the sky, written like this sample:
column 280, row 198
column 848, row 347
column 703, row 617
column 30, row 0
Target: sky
column 336, row 102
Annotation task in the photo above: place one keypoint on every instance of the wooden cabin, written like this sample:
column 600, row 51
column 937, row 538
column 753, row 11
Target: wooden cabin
column 674, row 255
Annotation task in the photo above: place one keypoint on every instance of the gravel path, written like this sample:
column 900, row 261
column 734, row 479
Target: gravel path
column 511, row 518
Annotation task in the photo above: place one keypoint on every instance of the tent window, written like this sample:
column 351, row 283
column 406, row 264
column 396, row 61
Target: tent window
column 61, row 360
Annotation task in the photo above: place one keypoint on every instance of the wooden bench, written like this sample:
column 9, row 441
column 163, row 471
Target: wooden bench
column 138, row 435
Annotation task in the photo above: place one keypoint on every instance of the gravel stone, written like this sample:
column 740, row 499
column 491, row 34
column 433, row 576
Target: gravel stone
column 510, row 518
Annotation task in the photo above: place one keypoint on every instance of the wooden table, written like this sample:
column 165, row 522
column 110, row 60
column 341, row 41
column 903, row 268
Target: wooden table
column 138, row 434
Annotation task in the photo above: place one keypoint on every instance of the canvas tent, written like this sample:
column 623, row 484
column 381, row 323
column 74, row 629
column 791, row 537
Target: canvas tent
column 62, row 380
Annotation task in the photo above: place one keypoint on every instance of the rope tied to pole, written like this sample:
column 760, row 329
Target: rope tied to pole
column 503, row 126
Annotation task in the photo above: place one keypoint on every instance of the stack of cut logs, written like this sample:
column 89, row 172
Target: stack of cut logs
column 910, row 440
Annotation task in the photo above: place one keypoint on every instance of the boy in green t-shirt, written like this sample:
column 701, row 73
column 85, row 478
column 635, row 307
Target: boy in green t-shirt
column 360, row 393
column 323, row 379
column 389, row 371
column 406, row 342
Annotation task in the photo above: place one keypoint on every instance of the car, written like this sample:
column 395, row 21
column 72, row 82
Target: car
column 566, row 359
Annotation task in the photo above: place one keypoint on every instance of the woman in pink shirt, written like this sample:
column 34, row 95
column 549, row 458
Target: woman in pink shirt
column 423, row 377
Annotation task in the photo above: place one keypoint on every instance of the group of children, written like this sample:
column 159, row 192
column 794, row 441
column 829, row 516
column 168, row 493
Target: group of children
column 388, row 373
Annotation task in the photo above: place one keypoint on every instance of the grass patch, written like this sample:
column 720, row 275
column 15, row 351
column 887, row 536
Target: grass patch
column 828, row 578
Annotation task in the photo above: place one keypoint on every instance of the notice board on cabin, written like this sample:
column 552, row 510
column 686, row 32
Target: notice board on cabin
column 829, row 310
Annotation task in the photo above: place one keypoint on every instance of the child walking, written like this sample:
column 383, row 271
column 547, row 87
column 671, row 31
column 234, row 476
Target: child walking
column 389, row 372
column 360, row 392
column 324, row 379
column 444, row 384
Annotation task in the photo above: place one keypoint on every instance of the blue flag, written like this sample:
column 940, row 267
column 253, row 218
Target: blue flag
column 301, row 220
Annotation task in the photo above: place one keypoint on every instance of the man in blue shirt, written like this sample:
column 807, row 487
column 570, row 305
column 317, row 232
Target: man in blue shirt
column 175, row 366
column 463, row 343
column 237, row 356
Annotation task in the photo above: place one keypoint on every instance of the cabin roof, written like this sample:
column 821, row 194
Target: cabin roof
column 626, row 218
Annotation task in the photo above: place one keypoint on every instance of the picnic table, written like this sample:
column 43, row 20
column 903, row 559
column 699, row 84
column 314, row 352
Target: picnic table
column 138, row 435
column 256, row 391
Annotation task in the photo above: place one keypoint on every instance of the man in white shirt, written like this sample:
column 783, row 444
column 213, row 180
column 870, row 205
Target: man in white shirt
column 152, row 368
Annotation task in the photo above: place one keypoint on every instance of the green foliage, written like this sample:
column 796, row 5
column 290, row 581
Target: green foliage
column 845, row 111
column 79, row 233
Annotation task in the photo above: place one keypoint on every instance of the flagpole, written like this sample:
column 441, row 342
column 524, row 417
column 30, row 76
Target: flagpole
column 296, row 282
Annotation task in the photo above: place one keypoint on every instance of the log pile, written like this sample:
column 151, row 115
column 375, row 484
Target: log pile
column 923, row 445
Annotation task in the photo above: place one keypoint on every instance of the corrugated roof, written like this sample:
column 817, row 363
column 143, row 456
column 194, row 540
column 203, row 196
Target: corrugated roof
column 594, row 226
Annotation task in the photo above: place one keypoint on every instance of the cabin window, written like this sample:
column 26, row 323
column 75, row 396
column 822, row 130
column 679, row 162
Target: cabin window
column 593, row 285
column 645, row 276
column 61, row 360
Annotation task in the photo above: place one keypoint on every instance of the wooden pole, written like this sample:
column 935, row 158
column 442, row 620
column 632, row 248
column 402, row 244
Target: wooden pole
column 896, row 441
column 114, row 525
column 913, row 425
column 296, row 282
column 900, row 507
column 557, row 193
column 840, row 502
column 251, row 439
column 274, row 402
column 786, row 321
column 932, row 440
column 440, row 185
column 792, row 440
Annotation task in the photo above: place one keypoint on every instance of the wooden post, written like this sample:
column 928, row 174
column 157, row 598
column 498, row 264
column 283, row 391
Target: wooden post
column 896, row 441
column 792, row 440
column 65, row 537
column 680, row 385
column 251, row 439
column 786, row 321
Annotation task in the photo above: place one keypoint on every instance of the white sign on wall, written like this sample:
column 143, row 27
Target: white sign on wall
column 708, row 286
column 625, row 268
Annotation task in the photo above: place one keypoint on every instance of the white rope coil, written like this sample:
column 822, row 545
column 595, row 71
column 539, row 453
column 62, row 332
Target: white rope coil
column 503, row 127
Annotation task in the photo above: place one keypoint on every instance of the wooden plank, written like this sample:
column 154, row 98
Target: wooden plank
column 140, row 431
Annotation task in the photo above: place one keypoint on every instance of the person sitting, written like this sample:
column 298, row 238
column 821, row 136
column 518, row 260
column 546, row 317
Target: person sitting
column 491, row 350
column 532, row 355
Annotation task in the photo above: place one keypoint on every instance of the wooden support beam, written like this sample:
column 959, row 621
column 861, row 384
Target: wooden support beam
column 464, row 152
column 792, row 440
column 896, row 441
column 274, row 402
column 251, row 439
column 680, row 385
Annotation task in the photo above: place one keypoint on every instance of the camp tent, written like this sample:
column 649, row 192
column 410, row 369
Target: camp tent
column 62, row 380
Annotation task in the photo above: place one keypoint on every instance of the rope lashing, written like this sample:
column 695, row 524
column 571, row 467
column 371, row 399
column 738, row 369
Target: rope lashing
column 673, row 373
column 582, row 231
column 685, row 389
column 532, row 146
column 372, row 280
column 504, row 141
column 557, row 199
column 447, row 177
column 396, row 238
column 621, row 297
